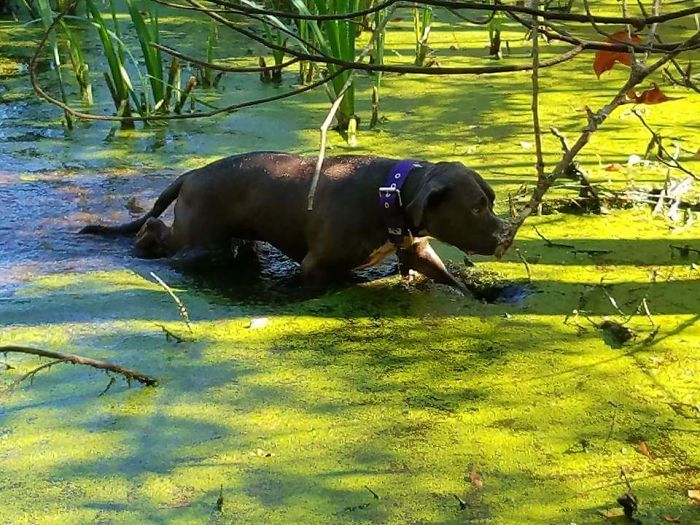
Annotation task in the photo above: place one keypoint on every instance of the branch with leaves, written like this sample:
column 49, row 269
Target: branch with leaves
column 638, row 73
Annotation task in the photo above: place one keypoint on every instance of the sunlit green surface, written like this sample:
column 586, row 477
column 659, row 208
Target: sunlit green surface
column 402, row 391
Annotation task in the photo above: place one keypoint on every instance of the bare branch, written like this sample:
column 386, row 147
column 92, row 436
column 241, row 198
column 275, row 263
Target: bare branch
column 637, row 22
column 672, row 161
column 180, row 305
column 637, row 74
column 223, row 67
column 60, row 357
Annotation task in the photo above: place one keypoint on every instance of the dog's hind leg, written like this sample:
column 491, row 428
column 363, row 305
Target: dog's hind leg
column 319, row 272
column 421, row 257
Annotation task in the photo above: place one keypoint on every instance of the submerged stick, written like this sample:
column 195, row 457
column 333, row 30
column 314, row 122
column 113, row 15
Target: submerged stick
column 60, row 357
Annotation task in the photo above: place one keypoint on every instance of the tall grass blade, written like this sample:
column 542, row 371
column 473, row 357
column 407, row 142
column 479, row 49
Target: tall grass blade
column 151, row 55
column 46, row 13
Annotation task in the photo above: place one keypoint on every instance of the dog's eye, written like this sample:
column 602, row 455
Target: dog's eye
column 476, row 211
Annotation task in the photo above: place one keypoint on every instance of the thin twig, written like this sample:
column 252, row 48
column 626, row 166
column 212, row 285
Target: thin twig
column 463, row 5
column 29, row 375
column 623, row 475
column 322, row 147
column 109, row 385
column 647, row 312
column 171, row 335
column 527, row 265
column 658, row 140
column 180, row 306
column 552, row 244
column 223, row 67
column 376, row 496
column 536, row 92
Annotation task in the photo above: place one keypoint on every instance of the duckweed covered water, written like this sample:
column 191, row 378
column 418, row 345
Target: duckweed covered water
column 373, row 385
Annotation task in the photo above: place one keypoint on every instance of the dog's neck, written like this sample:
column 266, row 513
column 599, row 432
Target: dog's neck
column 417, row 178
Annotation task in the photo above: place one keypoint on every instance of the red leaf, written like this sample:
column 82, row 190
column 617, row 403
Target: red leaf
column 672, row 519
column 653, row 95
column 475, row 478
column 645, row 450
column 605, row 60
column 614, row 167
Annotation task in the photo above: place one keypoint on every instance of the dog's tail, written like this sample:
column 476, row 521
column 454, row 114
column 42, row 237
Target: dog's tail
column 164, row 200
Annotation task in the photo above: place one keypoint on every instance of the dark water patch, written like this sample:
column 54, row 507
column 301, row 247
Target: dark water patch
column 42, row 213
column 492, row 287
column 270, row 277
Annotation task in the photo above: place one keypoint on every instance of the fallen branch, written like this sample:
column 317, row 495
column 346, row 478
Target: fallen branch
column 60, row 357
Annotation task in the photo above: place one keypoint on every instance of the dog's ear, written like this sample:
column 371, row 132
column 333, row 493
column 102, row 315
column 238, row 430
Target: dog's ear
column 430, row 194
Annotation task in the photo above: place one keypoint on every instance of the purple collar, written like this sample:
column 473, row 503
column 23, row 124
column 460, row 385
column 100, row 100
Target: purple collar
column 398, row 227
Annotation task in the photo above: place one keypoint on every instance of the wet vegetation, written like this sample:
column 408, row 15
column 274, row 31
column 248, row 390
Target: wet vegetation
column 568, row 382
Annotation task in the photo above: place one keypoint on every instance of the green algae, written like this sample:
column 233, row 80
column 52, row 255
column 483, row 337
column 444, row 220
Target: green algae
column 376, row 385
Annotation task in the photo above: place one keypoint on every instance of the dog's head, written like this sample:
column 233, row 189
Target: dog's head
column 455, row 205
column 153, row 240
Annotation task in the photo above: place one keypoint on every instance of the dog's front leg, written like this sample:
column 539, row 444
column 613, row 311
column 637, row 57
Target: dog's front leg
column 191, row 258
column 421, row 257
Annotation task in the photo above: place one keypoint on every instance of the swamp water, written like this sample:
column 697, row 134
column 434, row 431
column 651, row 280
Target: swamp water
column 294, row 406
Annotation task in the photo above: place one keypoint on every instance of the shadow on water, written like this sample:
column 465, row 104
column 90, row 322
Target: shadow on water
column 269, row 277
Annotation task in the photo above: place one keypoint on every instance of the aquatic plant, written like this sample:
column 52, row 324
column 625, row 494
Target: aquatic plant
column 206, row 74
column 43, row 9
column 494, row 27
column 158, row 94
column 278, row 55
column 422, row 23
column 148, row 34
column 119, row 83
column 378, row 58
column 80, row 66
column 335, row 38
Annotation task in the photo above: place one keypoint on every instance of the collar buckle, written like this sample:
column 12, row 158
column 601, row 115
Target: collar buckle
column 388, row 191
